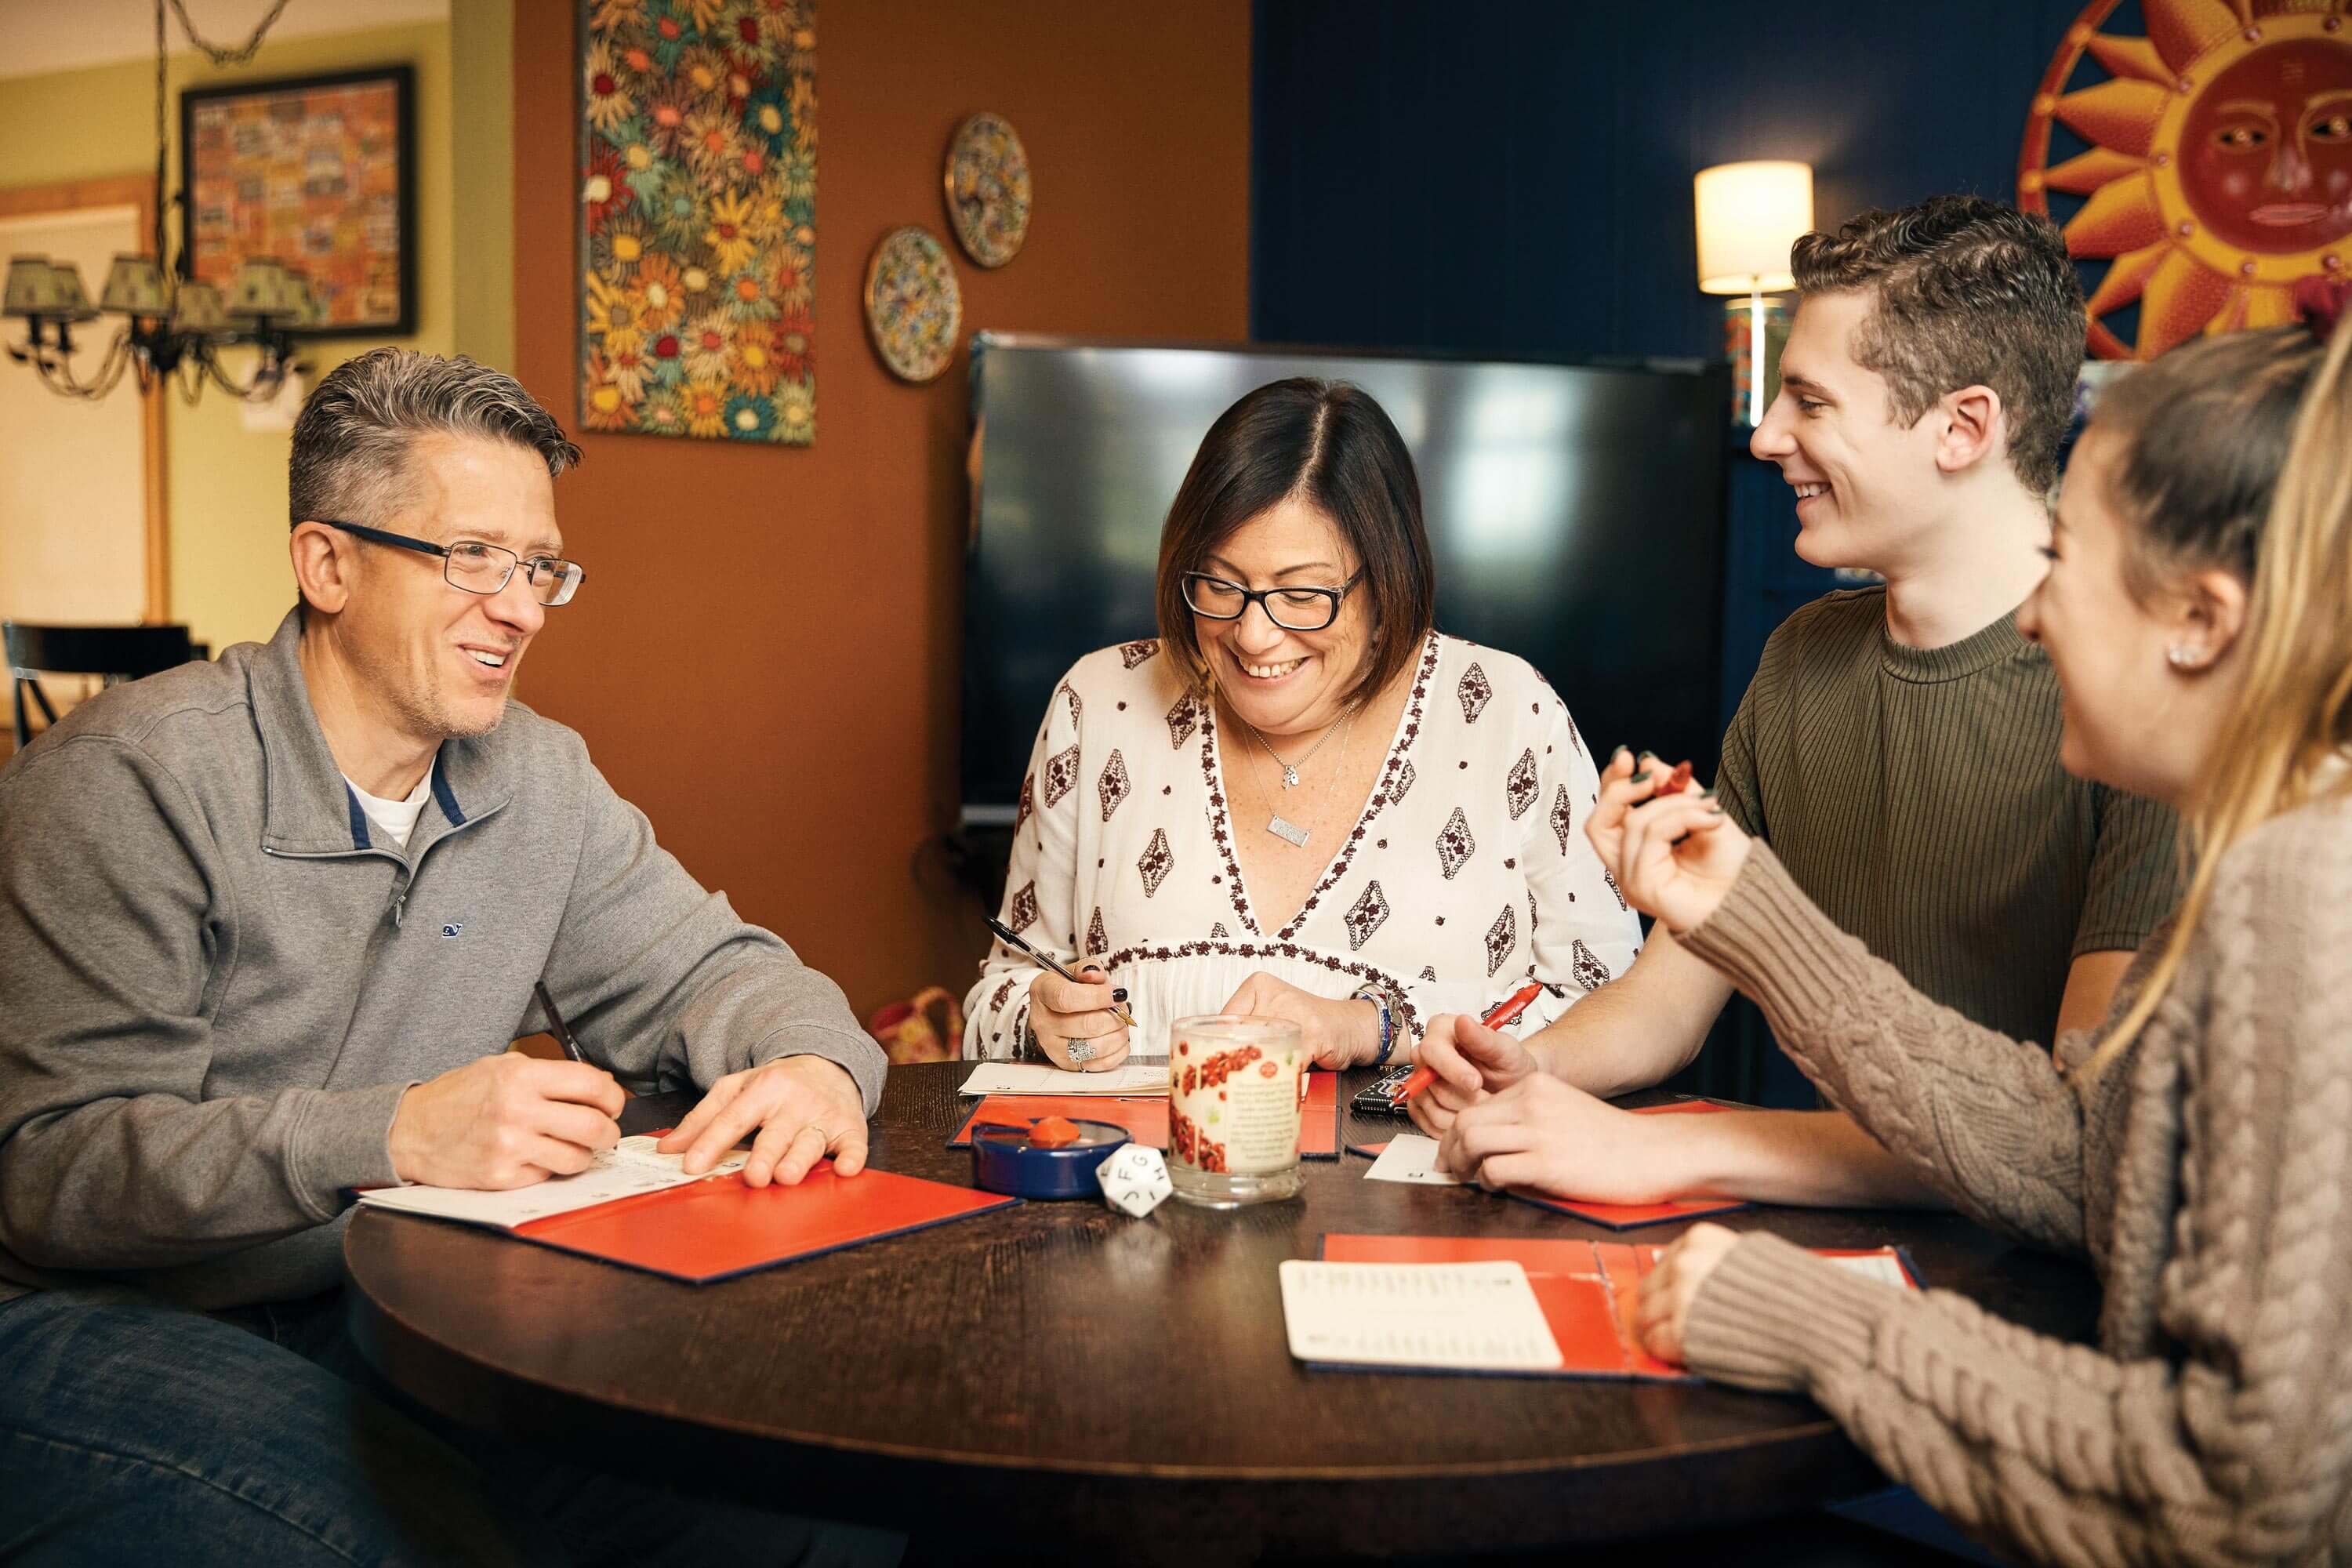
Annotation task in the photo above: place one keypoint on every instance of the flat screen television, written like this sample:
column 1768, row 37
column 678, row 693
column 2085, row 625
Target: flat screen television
column 1576, row 511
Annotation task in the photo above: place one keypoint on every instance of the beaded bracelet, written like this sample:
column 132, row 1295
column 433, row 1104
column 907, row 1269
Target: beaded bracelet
column 1378, row 998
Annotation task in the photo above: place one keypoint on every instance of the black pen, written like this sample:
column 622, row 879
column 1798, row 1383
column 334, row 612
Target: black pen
column 562, row 1030
column 1004, row 934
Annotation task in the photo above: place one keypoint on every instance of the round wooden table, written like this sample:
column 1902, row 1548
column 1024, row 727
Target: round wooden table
column 1057, row 1374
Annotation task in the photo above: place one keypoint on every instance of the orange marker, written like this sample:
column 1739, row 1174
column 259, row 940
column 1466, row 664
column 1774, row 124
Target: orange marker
column 1676, row 781
column 1497, row 1016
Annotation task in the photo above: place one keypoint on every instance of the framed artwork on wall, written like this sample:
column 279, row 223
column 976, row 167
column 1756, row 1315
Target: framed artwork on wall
column 698, row 200
column 315, row 171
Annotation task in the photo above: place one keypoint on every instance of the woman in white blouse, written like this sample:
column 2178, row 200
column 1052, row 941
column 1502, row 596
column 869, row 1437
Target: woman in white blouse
column 1301, row 799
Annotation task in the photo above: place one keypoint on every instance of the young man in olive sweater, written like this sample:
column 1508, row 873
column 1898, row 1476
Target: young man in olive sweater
column 1897, row 746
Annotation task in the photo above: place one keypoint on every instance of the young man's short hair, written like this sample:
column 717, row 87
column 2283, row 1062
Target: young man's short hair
column 1965, row 292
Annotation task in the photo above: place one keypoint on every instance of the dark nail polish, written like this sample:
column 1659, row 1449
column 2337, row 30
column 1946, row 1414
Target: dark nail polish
column 1118, row 993
column 1641, row 777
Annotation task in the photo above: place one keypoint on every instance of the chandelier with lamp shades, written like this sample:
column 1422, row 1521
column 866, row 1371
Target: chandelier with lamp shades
column 174, row 328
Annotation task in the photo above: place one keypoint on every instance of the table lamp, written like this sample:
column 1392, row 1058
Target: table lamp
column 1749, row 217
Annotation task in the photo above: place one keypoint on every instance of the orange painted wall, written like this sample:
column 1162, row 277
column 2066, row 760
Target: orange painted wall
column 765, row 656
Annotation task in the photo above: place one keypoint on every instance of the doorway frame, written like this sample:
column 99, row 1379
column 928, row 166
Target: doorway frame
column 136, row 191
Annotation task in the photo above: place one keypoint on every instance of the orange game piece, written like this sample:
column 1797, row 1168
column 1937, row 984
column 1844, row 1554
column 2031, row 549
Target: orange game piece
column 1053, row 1132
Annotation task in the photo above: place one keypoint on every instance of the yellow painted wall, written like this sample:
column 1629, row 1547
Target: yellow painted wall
column 481, row 60
column 230, row 581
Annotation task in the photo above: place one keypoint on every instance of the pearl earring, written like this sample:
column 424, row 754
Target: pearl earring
column 2180, row 657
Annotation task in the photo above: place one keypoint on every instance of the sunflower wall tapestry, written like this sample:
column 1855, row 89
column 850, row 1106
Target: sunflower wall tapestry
column 698, row 218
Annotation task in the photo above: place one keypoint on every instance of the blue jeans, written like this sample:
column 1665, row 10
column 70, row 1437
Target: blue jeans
column 132, row 1430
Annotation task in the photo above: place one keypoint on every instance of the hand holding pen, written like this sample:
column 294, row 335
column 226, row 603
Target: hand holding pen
column 1461, row 1058
column 1495, row 1018
column 1672, row 854
column 1078, row 1018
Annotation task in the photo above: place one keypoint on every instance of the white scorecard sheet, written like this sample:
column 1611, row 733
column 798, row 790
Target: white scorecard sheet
column 630, row 1167
column 1032, row 1077
column 1467, row 1317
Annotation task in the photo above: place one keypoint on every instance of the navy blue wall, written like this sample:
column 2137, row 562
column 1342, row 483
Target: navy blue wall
column 1514, row 177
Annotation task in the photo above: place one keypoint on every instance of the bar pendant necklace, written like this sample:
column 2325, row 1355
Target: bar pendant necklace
column 1281, row 827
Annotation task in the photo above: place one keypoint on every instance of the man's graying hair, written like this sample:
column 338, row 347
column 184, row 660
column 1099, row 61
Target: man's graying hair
column 1964, row 292
column 350, row 444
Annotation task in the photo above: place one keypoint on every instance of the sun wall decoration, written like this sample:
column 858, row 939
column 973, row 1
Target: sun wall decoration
column 2218, row 164
column 698, row 218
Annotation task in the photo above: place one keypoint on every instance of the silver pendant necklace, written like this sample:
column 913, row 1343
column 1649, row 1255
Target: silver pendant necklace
column 1281, row 827
column 1290, row 769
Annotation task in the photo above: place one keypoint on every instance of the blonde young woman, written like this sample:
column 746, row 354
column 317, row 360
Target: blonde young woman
column 2198, row 1147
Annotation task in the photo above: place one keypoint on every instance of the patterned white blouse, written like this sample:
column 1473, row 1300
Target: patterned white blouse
column 1468, row 875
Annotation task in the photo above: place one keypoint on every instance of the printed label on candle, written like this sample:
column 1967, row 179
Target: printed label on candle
column 1233, row 1109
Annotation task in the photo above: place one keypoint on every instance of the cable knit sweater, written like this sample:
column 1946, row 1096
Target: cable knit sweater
column 2206, row 1173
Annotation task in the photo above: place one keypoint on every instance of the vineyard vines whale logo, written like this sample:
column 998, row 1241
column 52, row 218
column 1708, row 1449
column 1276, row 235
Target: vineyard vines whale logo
column 452, row 929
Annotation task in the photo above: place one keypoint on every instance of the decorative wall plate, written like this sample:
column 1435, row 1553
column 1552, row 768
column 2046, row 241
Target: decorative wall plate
column 987, row 189
column 914, row 308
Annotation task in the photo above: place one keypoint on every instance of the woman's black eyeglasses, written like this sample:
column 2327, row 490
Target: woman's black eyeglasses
column 1292, row 609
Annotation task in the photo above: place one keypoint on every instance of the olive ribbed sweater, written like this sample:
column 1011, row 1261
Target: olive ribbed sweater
column 1915, row 795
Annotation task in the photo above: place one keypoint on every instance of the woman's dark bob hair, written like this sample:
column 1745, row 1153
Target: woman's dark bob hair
column 1329, row 445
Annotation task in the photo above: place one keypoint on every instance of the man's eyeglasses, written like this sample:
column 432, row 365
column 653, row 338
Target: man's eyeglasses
column 484, row 568
column 1292, row 609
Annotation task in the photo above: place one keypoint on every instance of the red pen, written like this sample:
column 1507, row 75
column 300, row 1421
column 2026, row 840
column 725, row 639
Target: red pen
column 1497, row 1016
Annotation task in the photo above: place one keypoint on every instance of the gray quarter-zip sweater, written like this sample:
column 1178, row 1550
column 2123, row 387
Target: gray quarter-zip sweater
column 215, row 985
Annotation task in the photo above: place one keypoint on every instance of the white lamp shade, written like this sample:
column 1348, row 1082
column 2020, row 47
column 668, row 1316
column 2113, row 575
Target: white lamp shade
column 1749, row 217
column 134, row 287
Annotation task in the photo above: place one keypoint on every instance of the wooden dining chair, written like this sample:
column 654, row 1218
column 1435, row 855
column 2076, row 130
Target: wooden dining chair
column 113, row 653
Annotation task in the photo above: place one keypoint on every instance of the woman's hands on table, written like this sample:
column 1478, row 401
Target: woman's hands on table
column 1662, row 1313
column 1336, row 1032
column 1063, row 1014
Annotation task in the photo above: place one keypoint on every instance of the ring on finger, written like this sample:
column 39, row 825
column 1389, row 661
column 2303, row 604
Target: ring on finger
column 1081, row 1052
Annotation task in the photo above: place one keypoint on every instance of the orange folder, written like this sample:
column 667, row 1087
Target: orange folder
column 1145, row 1117
column 717, row 1228
column 1590, row 1291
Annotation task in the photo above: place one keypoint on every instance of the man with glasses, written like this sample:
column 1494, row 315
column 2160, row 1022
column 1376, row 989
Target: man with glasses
column 267, row 927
